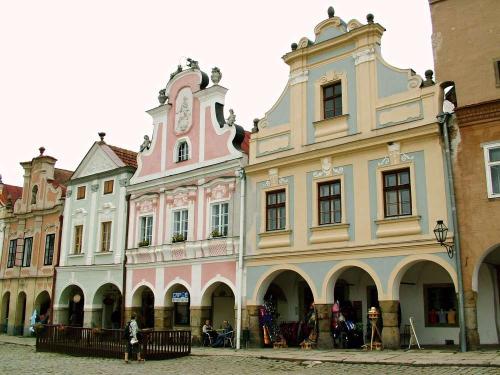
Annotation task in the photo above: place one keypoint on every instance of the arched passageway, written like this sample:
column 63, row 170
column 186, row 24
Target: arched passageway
column 20, row 321
column 4, row 318
column 143, row 302
column 42, row 306
column 177, row 306
column 219, row 299
column 107, row 306
column 71, row 303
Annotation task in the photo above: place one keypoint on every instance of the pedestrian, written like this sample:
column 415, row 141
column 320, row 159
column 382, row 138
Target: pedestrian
column 130, row 334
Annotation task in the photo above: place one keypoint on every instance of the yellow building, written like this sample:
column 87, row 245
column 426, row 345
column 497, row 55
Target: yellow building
column 345, row 185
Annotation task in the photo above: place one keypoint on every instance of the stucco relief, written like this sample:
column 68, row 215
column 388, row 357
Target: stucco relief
column 183, row 110
column 107, row 208
column 146, row 206
column 79, row 213
column 353, row 24
column 274, row 178
column 180, row 200
column 99, row 163
column 364, row 56
column 219, row 192
column 400, row 114
column 395, row 156
column 327, row 169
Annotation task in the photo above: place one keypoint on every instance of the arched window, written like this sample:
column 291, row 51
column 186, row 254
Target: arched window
column 182, row 151
column 33, row 194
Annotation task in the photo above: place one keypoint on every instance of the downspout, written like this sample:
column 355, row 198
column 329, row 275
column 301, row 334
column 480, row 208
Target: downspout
column 443, row 121
column 124, row 271
column 241, row 175
column 54, row 277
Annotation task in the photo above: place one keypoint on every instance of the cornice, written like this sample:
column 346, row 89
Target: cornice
column 478, row 113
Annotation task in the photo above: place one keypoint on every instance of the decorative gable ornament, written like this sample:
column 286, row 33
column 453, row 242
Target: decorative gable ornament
column 327, row 169
column 184, row 111
column 395, row 155
column 274, row 178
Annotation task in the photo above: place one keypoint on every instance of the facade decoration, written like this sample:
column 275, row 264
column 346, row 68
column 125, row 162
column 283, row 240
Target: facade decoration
column 216, row 75
column 183, row 234
column 30, row 231
column 89, row 285
column 345, row 198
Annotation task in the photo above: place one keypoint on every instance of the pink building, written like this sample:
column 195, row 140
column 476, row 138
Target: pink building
column 184, row 213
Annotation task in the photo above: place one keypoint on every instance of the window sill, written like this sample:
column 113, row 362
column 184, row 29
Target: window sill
column 76, row 255
column 329, row 233
column 275, row 238
column 398, row 226
column 104, row 252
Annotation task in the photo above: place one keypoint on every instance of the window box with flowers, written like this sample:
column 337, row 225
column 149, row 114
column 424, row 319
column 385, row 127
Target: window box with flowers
column 143, row 243
column 178, row 237
column 216, row 234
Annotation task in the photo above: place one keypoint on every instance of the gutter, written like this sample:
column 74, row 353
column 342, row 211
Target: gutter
column 443, row 121
column 124, row 270
column 54, row 276
column 241, row 174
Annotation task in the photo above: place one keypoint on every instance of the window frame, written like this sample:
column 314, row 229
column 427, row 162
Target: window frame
column 143, row 226
column 78, row 239
column 331, row 197
column 179, row 224
column 488, row 165
column 427, row 308
column 185, row 151
column 79, row 189
column 104, row 240
column 276, row 206
column 397, row 188
column 11, row 258
column 332, row 98
column 223, row 229
column 106, row 186
column 27, row 252
column 48, row 256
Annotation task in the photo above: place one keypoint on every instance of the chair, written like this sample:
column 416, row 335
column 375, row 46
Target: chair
column 207, row 339
column 228, row 337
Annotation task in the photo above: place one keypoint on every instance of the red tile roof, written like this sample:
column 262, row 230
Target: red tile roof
column 126, row 156
column 10, row 192
column 62, row 176
column 245, row 144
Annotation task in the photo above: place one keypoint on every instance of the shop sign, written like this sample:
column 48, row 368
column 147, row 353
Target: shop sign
column 180, row 297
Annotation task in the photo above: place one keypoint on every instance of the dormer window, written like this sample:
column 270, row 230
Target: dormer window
column 182, row 151
column 34, row 192
column 332, row 100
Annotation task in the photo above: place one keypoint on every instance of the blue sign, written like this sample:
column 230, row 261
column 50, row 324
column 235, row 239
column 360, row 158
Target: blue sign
column 180, row 297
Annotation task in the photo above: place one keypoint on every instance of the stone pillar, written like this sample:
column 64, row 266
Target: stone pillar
column 471, row 332
column 60, row 315
column 198, row 316
column 159, row 318
column 390, row 331
column 168, row 317
column 92, row 317
column 254, row 326
column 324, row 321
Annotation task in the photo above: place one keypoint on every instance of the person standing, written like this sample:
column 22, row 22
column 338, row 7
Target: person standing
column 130, row 334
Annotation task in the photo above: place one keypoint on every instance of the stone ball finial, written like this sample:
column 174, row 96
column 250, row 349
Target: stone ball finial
column 370, row 17
column 294, row 46
column 42, row 150
column 255, row 128
column 101, row 135
column 331, row 12
column 429, row 73
column 162, row 97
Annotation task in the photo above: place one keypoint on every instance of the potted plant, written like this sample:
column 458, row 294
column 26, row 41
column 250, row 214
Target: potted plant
column 38, row 328
column 143, row 243
column 215, row 233
column 178, row 237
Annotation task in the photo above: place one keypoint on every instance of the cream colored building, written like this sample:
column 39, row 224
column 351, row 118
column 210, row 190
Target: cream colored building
column 357, row 139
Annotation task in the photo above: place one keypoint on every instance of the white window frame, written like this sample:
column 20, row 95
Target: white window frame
column 219, row 226
column 181, row 221
column 73, row 247
column 488, row 165
column 143, row 235
column 101, row 236
column 176, row 149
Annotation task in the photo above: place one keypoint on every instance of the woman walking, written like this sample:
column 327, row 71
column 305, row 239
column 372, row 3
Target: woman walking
column 130, row 334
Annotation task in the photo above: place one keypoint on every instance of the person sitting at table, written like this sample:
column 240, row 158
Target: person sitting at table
column 208, row 332
column 228, row 332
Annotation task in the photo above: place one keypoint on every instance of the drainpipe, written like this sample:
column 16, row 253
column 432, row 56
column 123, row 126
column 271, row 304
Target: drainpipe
column 443, row 121
column 124, row 270
column 241, row 174
column 54, row 276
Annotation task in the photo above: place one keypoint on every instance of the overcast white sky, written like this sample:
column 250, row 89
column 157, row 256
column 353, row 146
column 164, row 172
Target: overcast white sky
column 69, row 69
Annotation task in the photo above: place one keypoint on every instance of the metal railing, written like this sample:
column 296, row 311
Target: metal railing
column 109, row 343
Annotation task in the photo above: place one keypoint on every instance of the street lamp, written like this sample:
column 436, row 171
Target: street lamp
column 441, row 232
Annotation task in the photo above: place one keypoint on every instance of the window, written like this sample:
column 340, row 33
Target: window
column 275, row 210
column 28, row 244
column 440, row 305
column 180, row 225
column 80, row 192
column 329, row 203
column 108, row 187
column 78, row 239
column 182, row 151
column 11, row 261
column 146, row 230
column 397, row 193
column 34, row 192
column 49, row 249
column 496, row 67
column 332, row 100
column 492, row 160
column 220, row 219
column 105, row 236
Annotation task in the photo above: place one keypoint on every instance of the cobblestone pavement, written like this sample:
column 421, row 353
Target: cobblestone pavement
column 20, row 360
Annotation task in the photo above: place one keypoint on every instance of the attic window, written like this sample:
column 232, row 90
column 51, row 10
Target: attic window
column 182, row 151
column 34, row 192
column 332, row 100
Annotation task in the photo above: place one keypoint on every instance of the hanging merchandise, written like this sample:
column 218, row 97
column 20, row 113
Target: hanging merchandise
column 268, row 321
